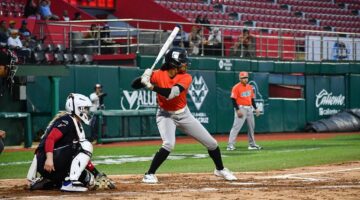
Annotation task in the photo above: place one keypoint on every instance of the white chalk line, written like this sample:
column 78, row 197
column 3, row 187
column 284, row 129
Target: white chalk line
column 298, row 175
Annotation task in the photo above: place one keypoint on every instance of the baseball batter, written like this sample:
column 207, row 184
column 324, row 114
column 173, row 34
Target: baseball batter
column 171, row 84
column 242, row 96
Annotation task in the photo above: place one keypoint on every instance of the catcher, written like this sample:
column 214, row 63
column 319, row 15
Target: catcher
column 63, row 155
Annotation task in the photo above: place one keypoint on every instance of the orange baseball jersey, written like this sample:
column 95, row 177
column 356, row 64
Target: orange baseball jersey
column 161, row 79
column 242, row 94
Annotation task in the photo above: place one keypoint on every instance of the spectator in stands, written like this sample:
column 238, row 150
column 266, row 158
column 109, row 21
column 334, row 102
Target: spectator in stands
column 24, row 31
column 215, row 37
column 233, row 16
column 4, row 34
column 77, row 16
column 29, row 42
column 92, row 38
column 235, row 50
column 218, row 7
column 26, row 37
column 93, row 32
column 181, row 39
column 97, row 100
column 198, row 19
column 14, row 40
column 213, row 45
column 206, row 21
column 105, row 33
column 12, row 24
column 195, row 40
column 65, row 16
column 45, row 10
column 15, row 43
column 2, row 136
column 246, row 43
column 31, row 8
column 106, row 40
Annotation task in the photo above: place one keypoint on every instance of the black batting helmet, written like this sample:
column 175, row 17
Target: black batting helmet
column 176, row 57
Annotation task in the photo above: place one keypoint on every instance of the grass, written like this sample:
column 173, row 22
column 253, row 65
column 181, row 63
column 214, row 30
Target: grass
column 276, row 155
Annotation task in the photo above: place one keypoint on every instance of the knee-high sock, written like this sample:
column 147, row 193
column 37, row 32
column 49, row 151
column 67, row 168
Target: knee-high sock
column 216, row 157
column 158, row 159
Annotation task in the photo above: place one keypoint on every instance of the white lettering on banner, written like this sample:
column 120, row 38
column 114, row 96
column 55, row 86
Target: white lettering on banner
column 327, row 111
column 226, row 64
column 324, row 98
column 138, row 99
column 202, row 117
column 198, row 91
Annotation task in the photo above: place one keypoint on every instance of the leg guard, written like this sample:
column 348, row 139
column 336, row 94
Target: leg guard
column 87, row 178
column 31, row 175
column 81, row 160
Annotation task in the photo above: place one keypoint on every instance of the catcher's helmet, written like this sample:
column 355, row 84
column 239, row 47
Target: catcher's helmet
column 79, row 105
column 176, row 57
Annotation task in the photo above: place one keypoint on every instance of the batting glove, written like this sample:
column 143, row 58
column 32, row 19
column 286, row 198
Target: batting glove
column 147, row 72
column 146, row 81
column 146, row 76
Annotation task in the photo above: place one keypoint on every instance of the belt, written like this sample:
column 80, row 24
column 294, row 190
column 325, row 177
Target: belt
column 177, row 111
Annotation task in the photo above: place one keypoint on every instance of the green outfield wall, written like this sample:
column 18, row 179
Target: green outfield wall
column 328, row 88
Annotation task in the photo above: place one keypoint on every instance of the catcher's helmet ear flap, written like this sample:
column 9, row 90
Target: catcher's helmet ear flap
column 176, row 57
column 79, row 105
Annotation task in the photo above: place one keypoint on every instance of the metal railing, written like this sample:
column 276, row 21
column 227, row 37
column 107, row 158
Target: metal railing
column 266, row 43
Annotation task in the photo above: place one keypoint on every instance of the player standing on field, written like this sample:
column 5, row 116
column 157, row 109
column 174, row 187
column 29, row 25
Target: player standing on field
column 242, row 96
column 171, row 84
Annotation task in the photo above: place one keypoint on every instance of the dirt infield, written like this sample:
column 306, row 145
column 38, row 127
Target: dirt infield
column 338, row 181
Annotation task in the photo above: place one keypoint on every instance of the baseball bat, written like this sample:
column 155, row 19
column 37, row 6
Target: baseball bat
column 136, row 83
column 166, row 46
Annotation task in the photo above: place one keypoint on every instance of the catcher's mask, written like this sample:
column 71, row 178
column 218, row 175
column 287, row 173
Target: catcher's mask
column 79, row 105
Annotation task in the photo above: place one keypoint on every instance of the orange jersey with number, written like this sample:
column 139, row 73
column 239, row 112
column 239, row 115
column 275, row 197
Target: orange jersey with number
column 161, row 79
column 242, row 94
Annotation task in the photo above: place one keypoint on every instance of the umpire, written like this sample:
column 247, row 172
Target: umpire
column 2, row 135
column 97, row 100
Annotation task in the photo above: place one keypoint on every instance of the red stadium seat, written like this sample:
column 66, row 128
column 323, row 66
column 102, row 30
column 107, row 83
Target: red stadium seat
column 49, row 58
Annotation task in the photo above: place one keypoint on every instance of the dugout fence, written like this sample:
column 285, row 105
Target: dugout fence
column 28, row 128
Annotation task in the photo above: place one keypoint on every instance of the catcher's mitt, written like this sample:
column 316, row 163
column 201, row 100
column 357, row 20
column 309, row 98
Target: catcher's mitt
column 136, row 83
column 103, row 182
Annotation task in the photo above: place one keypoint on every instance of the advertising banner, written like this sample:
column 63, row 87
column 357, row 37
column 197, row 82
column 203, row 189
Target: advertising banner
column 201, row 98
column 325, row 96
column 332, row 48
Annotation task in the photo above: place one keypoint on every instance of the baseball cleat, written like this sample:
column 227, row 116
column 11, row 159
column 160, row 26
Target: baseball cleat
column 226, row 174
column 149, row 178
column 230, row 148
column 73, row 186
column 256, row 147
column 41, row 184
